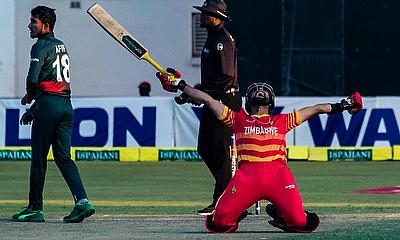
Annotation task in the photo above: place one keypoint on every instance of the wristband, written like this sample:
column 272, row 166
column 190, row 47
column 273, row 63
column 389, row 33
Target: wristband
column 181, row 99
column 336, row 107
column 181, row 85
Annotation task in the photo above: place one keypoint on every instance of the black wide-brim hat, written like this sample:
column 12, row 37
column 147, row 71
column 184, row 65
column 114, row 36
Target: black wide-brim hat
column 215, row 8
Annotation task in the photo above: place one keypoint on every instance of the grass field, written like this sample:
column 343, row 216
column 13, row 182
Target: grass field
column 162, row 189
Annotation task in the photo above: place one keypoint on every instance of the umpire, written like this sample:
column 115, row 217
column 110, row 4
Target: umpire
column 48, row 83
column 219, row 80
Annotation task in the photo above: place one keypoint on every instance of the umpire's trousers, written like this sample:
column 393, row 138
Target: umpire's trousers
column 52, row 125
column 213, row 144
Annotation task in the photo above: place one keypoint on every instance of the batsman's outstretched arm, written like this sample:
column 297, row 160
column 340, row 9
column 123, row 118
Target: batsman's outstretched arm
column 177, row 83
column 308, row 112
column 352, row 104
column 215, row 106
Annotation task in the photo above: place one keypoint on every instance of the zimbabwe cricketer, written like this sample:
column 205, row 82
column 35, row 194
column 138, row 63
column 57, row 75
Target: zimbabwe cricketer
column 48, row 83
column 261, row 150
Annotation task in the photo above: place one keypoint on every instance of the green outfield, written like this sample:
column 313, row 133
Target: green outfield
column 180, row 188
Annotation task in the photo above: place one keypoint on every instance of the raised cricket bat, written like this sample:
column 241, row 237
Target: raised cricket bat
column 110, row 25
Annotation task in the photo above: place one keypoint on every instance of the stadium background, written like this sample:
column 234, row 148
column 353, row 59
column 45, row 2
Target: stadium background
column 309, row 50
column 304, row 48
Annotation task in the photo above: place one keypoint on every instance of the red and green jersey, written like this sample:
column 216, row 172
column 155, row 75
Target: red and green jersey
column 49, row 69
column 260, row 138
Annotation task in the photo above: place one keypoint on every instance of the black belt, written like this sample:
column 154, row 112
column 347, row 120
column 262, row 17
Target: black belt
column 225, row 94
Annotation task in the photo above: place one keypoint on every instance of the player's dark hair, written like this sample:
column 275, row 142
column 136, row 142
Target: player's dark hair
column 144, row 88
column 45, row 14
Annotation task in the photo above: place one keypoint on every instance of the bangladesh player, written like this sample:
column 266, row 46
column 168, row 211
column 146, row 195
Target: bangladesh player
column 48, row 84
column 261, row 150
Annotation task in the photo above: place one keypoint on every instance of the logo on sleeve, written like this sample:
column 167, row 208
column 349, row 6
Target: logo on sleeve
column 233, row 189
column 34, row 59
column 220, row 46
column 290, row 186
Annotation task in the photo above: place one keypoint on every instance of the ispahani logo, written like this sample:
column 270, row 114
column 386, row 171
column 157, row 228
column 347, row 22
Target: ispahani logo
column 91, row 155
column 187, row 155
column 349, row 155
column 15, row 154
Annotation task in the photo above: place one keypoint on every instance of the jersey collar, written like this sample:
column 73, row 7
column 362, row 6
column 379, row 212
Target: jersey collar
column 46, row 35
column 215, row 28
column 261, row 115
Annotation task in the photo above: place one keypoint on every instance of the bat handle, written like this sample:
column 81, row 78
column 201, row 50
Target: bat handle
column 158, row 66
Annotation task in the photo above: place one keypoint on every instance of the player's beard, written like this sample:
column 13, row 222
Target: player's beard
column 204, row 21
column 34, row 32
column 203, row 24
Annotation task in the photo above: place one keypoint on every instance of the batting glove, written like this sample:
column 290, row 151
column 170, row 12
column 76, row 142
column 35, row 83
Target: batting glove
column 172, row 72
column 171, row 84
column 356, row 103
column 352, row 104
column 176, row 83
column 165, row 82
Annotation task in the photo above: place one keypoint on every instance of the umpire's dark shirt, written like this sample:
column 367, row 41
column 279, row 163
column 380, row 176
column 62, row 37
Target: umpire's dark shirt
column 218, row 62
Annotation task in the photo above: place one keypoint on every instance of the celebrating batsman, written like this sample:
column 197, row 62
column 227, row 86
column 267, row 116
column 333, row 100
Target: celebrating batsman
column 261, row 149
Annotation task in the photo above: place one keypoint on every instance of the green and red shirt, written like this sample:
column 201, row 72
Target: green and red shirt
column 49, row 69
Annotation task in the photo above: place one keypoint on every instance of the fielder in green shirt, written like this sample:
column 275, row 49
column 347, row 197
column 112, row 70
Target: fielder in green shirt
column 48, row 85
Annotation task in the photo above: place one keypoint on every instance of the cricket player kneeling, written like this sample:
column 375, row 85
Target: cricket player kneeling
column 261, row 149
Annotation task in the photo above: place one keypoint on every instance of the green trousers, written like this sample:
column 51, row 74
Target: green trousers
column 52, row 126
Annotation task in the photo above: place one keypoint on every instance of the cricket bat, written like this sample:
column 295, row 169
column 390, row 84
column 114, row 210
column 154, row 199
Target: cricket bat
column 118, row 32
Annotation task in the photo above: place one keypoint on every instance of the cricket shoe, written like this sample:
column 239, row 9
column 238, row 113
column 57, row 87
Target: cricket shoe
column 206, row 211
column 271, row 211
column 80, row 212
column 243, row 215
column 28, row 215
column 311, row 224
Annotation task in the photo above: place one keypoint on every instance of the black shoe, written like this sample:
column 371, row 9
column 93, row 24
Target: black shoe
column 206, row 211
column 243, row 215
column 271, row 211
column 311, row 225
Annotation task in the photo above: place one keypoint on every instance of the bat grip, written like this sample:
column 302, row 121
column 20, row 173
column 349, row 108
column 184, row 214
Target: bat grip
column 158, row 66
